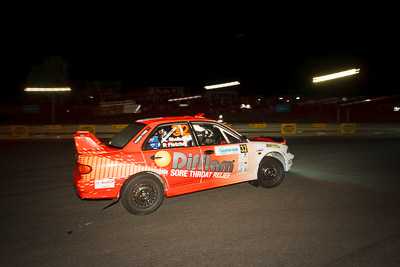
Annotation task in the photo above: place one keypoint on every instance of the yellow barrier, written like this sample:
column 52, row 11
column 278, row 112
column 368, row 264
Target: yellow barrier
column 90, row 128
column 52, row 127
column 289, row 128
column 319, row 125
column 119, row 126
column 348, row 128
column 270, row 129
column 258, row 125
column 19, row 130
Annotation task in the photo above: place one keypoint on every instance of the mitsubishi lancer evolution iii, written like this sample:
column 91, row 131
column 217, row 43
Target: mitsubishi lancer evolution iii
column 169, row 156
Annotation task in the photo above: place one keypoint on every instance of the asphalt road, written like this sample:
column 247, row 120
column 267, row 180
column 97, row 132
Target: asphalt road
column 339, row 206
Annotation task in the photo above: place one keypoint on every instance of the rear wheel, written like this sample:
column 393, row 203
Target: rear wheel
column 142, row 194
column 270, row 172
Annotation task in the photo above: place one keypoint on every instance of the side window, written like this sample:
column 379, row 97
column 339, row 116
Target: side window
column 213, row 134
column 170, row 136
column 209, row 134
column 232, row 138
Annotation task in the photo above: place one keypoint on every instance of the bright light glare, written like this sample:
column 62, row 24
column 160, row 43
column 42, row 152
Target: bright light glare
column 221, row 85
column 40, row 89
column 335, row 75
column 184, row 98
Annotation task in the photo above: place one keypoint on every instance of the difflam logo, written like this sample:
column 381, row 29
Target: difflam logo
column 192, row 162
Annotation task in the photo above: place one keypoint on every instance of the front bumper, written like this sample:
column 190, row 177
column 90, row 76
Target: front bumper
column 289, row 161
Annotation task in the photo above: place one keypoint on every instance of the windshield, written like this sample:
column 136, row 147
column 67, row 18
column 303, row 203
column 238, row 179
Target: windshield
column 123, row 137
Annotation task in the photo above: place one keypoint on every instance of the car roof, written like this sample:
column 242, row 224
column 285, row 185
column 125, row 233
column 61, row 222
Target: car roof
column 197, row 117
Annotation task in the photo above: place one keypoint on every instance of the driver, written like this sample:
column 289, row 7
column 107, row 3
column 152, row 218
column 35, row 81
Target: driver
column 208, row 137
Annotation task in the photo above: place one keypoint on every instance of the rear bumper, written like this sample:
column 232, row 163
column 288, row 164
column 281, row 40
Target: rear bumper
column 86, row 188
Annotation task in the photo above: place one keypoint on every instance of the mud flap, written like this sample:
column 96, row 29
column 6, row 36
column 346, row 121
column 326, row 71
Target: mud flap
column 112, row 202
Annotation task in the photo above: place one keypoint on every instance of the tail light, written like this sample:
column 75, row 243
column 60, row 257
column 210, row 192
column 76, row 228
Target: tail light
column 84, row 169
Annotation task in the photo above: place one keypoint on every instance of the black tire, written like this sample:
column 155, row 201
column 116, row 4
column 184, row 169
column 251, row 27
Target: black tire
column 142, row 194
column 270, row 172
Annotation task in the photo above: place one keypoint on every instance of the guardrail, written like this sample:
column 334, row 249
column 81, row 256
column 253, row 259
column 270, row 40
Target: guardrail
column 315, row 128
column 254, row 129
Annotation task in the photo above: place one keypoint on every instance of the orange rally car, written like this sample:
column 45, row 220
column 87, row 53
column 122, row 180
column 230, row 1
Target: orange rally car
column 153, row 158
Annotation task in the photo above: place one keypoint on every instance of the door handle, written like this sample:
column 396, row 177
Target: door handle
column 154, row 157
column 209, row 152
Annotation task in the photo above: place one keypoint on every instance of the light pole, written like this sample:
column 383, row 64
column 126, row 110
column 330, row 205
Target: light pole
column 337, row 75
column 52, row 90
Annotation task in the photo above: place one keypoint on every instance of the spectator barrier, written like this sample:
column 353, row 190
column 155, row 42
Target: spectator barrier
column 107, row 130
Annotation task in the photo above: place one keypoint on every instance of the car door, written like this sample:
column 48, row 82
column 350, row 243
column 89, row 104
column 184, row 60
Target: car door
column 225, row 155
column 172, row 147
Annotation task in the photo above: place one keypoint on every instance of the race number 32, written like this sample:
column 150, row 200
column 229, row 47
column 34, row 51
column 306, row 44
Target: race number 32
column 180, row 130
column 243, row 149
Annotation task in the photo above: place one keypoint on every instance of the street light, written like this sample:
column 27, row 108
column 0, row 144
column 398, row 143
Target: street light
column 39, row 89
column 335, row 75
column 51, row 90
column 221, row 85
column 184, row 98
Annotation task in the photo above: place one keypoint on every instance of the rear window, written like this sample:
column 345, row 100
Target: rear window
column 123, row 137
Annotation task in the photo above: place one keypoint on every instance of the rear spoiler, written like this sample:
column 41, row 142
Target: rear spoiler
column 86, row 142
column 274, row 139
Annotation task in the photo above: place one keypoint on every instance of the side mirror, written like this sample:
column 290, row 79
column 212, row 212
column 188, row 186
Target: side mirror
column 243, row 139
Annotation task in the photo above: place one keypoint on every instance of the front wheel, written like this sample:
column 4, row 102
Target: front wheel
column 270, row 172
column 142, row 194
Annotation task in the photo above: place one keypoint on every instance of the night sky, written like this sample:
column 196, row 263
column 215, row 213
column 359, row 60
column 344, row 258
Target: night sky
column 270, row 53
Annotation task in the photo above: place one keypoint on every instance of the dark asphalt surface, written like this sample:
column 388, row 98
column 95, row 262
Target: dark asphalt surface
column 339, row 206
